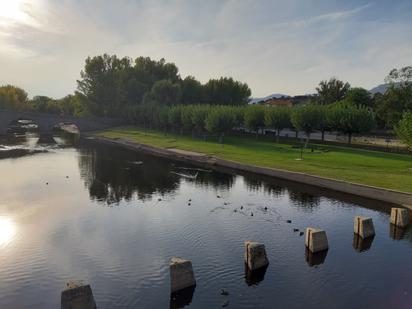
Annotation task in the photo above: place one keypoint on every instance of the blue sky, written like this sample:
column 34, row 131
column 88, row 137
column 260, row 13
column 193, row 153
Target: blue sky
column 274, row 46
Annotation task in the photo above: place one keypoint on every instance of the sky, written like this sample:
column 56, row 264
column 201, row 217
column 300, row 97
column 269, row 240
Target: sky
column 274, row 46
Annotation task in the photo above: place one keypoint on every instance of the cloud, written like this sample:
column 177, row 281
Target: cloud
column 272, row 45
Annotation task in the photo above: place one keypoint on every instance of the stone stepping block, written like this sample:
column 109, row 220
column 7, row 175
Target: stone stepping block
column 399, row 217
column 316, row 240
column 255, row 255
column 77, row 296
column 363, row 226
column 181, row 274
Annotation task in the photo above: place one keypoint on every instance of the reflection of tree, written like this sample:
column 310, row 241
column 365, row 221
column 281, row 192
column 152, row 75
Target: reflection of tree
column 112, row 174
column 304, row 200
column 270, row 188
column 215, row 179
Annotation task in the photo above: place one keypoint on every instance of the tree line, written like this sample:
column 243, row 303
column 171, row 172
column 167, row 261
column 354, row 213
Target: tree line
column 115, row 87
column 203, row 120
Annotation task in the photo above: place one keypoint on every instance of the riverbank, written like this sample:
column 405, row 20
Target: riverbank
column 369, row 174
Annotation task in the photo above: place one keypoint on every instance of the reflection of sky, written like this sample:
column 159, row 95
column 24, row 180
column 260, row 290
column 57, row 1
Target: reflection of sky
column 7, row 230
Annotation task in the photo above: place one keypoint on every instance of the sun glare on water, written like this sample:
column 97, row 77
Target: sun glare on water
column 7, row 231
column 11, row 10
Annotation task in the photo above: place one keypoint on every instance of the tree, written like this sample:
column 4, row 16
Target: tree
column 13, row 98
column 226, row 91
column 164, row 92
column 199, row 115
column 103, row 83
column 175, row 117
column 331, row 91
column 306, row 118
column 220, row 120
column 359, row 97
column 404, row 129
column 393, row 103
column 192, row 91
column 278, row 118
column 402, row 75
column 350, row 119
column 254, row 118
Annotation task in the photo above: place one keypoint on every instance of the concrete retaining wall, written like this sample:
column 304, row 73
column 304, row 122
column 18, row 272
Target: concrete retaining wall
column 375, row 193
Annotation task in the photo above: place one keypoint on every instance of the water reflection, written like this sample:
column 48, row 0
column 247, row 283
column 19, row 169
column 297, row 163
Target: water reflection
column 315, row 259
column 304, row 200
column 396, row 232
column 114, row 174
column 7, row 231
column 254, row 277
column 182, row 298
column 362, row 244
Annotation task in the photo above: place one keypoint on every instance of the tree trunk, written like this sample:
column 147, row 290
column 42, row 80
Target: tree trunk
column 296, row 134
column 277, row 136
column 221, row 138
column 349, row 138
column 307, row 139
column 323, row 135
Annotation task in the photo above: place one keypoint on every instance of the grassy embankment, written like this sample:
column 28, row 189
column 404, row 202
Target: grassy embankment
column 392, row 171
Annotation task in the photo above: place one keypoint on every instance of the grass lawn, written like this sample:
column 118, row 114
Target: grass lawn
column 392, row 171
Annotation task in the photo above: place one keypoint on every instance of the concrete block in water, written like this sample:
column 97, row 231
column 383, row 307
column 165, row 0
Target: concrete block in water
column 363, row 226
column 181, row 274
column 316, row 240
column 255, row 255
column 77, row 296
column 399, row 217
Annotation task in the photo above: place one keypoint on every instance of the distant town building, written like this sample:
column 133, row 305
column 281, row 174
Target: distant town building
column 285, row 100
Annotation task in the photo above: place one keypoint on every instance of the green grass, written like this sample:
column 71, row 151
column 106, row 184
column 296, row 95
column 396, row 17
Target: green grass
column 386, row 170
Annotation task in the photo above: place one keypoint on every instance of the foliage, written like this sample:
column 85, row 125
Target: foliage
column 226, row 91
column 404, row 129
column 254, row 118
column 278, row 118
column 402, row 75
column 359, row 97
column 220, row 120
column 350, row 119
column 306, row 118
column 331, row 91
column 12, row 98
column 393, row 103
column 164, row 92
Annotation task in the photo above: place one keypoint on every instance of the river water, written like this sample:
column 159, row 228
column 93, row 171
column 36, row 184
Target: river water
column 77, row 209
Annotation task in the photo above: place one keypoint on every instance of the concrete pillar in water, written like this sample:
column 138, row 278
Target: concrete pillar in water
column 363, row 226
column 181, row 274
column 316, row 240
column 399, row 217
column 77, row 296
column 255, row 255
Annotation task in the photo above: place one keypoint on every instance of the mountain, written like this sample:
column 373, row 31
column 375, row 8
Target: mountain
column 274, row 95
column 381, row 88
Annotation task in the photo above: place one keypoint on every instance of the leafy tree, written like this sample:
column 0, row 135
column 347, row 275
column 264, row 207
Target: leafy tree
column 393, row 103
column 254, row 118
column 199, row 115
column 220, row 120
column 165, row 92
column 402, row 75
column 192, row 91
column 278, row 118
column 404, row 129
column 306, row 118
column 175, row 117
column 359, row 97
column 331, row 91
column 103, row 83
column 13, row 98
column 226, row 91
column 350, row 119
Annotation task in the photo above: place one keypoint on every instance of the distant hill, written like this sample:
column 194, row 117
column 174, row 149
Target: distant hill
column 274, row 95
column 381, row 88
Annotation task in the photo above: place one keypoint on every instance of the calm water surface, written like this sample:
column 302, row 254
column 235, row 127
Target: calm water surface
column 114, row 218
